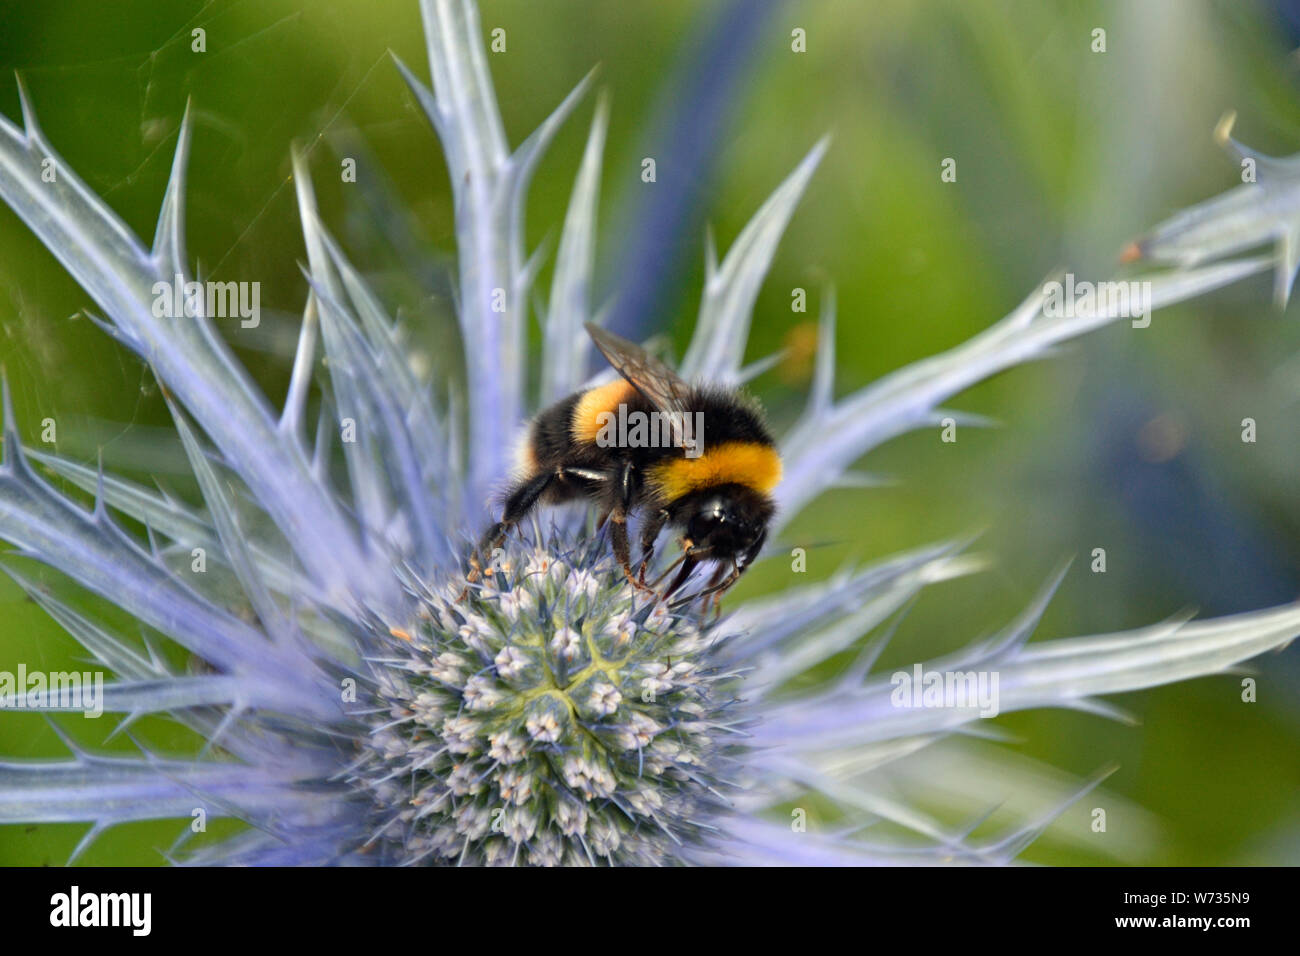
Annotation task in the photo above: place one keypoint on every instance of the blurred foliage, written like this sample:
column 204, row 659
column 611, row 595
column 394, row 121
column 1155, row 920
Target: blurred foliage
column 1128, row 441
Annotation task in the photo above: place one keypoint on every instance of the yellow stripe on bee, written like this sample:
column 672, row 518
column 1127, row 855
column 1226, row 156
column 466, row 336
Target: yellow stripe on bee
column 736, row 462
column 584, row 424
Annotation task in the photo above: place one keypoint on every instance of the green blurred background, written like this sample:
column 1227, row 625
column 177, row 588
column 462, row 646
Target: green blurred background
column 1129, row 440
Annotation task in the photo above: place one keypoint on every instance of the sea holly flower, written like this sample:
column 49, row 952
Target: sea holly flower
column 362, row 702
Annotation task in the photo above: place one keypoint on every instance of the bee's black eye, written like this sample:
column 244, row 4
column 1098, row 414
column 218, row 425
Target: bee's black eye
column 711, row 517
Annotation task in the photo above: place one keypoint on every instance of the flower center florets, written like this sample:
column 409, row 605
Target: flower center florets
column 548, row 715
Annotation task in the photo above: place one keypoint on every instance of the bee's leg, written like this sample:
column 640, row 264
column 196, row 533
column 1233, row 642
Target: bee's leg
column 714, row 582
column 715, row 587
column 648, row 535
column 691, row 555
column 712, row 588
column 622, row 547
column 518, row 503
column 688, row 565
column 669, row 570
column 618, row 523
column 718, row 587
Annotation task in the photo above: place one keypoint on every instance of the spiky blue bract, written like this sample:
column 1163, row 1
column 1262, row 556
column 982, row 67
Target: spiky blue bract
column 362, row 702
column 1262, row 210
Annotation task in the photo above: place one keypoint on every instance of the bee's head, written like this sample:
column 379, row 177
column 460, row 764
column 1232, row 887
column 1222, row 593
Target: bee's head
column 727, row 520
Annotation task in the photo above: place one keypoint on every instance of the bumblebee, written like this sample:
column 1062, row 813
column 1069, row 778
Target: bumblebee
column 711, row 478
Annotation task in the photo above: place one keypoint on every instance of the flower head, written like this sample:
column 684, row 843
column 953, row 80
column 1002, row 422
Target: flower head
column 362, row 701
column 502, row 726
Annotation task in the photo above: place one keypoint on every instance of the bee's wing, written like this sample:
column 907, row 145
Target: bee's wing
column 661, row 386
